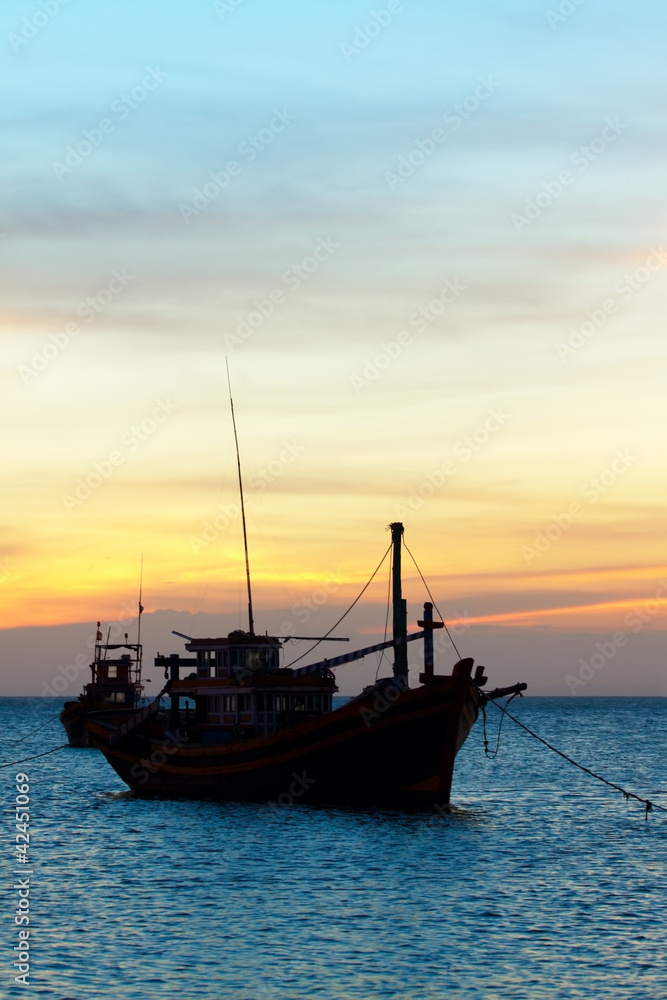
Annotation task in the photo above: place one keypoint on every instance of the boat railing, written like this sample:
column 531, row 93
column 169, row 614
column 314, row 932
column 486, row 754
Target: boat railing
column 136, row 720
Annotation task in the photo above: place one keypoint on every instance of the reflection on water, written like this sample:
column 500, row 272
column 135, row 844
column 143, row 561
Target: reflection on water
column 540, row 883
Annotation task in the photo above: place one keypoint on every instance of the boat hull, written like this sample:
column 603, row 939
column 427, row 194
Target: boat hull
column 372, row 751
column 76, row 715
column 74, row 720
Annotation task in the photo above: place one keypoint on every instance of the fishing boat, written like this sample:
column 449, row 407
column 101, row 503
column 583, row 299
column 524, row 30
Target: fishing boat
column 265, row 732
column 242, row 726
column 115, row 688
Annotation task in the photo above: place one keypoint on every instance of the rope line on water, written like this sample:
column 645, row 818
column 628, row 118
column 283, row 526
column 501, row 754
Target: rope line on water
column 15, row 743
column 15, row 763
column 649, row 806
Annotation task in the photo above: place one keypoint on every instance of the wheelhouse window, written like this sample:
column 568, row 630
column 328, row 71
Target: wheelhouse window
column 112, row 672
column 258, row 658
column 213, row 709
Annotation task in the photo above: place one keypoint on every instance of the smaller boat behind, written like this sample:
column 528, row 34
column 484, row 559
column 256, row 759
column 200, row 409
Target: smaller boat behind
column 115, row 688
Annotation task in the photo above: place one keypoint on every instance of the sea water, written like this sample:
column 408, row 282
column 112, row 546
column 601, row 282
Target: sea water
column 541, row 883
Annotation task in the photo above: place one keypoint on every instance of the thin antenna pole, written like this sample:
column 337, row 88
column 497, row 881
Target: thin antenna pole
column 245, row 533
column 141, row 608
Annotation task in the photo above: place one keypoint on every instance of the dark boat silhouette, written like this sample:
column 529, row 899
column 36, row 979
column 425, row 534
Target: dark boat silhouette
column 265, row 733
column 115, row 686
column 259, row 731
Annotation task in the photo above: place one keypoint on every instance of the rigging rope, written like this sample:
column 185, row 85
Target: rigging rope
column 648, row 805
column 451, row 639
column 308, row 651
column 386, row 617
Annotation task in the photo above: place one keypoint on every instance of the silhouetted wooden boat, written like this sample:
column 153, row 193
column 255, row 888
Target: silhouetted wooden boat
column 261, row 732
column 115, row 689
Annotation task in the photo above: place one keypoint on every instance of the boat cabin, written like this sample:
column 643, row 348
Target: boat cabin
column 116, row 679
column 240, row 690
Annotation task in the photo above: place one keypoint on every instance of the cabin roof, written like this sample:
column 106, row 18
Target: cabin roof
column 275, row 681
column 235, row 638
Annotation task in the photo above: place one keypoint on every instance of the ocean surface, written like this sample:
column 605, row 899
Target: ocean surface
column 542, row 883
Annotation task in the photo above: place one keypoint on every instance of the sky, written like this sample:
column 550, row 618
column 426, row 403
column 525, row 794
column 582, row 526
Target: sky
column 427, row 237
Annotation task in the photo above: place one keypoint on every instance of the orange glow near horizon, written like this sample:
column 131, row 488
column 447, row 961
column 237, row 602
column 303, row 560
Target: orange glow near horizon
column 112, row 592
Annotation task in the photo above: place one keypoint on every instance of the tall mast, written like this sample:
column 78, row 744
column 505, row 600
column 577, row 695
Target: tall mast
column 400, row 621
column 137, row 665
column 251, row 628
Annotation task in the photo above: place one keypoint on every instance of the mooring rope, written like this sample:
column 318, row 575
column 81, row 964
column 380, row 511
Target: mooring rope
column 492, row 754
column 15, row 743
column 15, row 763
column 649, row 806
